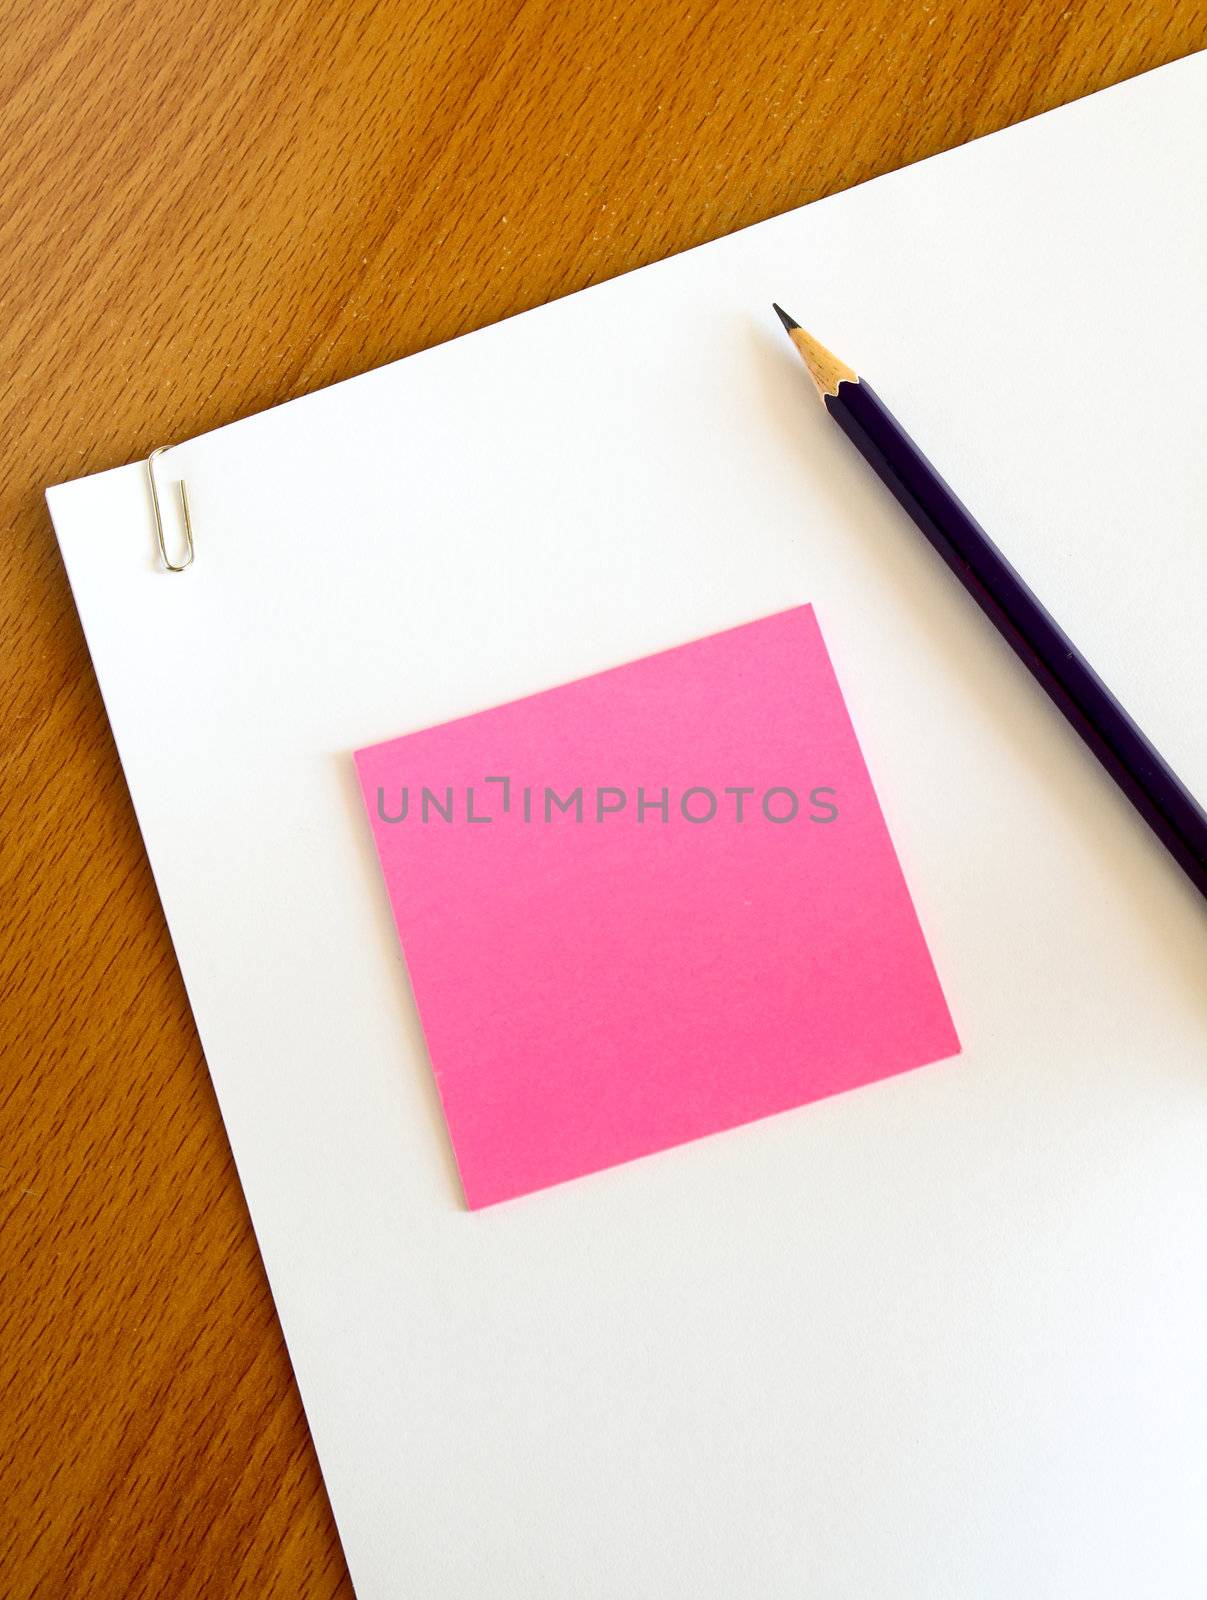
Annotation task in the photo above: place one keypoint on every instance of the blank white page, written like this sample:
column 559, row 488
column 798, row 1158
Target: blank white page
column 940, row 1337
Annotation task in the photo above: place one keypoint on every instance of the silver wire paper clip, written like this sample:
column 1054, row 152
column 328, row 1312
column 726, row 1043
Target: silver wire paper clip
column 172, row 566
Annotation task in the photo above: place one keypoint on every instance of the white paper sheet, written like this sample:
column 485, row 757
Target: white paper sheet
column 942, row 1337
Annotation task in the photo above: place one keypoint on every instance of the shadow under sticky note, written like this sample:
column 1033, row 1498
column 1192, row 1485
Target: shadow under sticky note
column 649, row 905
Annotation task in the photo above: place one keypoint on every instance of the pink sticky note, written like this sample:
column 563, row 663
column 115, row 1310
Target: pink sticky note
column 649, row 905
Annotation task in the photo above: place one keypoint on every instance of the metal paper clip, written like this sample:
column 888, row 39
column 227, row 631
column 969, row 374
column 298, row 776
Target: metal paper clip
column 171, row 566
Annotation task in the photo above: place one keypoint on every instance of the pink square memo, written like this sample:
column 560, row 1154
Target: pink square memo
column 649, row 905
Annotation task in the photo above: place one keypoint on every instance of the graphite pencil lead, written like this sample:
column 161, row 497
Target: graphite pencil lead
column 789, row 322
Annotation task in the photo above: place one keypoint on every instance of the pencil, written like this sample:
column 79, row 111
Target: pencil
column 1168, row 807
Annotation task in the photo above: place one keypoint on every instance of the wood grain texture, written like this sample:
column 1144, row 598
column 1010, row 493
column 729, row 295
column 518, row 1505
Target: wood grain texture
column 205, row 211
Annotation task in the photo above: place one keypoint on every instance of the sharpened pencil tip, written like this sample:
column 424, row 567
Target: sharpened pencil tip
column 826, row 370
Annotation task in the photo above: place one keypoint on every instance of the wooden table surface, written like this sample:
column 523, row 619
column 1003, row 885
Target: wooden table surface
column 207, row 210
